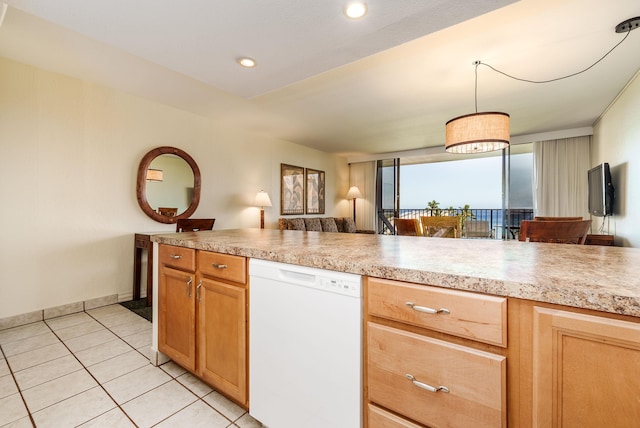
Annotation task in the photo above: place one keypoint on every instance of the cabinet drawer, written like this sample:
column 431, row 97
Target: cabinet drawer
column 380, row 418
column 470, row 315
column 476, row 380
column 177, row 257
column 223, row 266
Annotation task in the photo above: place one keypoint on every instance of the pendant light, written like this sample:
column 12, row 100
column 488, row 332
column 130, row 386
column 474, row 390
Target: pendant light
column 488, row 131
column 477, row 132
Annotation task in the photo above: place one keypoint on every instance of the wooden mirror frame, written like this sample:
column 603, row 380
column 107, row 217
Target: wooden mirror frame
column 141, row 186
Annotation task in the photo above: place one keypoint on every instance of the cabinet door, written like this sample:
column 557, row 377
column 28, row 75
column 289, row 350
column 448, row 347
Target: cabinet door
column 176, row 316
column 222, row 337
column 585, row 371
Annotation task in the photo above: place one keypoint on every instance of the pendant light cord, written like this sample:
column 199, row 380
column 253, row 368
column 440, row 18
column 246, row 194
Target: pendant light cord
column 477, row 63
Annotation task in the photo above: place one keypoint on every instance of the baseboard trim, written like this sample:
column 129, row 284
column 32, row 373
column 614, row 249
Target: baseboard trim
column 58, row 311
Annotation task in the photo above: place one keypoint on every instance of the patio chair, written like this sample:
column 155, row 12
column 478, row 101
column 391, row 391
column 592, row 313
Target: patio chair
column 477, row 229
column 407, row 226
column 441, row 226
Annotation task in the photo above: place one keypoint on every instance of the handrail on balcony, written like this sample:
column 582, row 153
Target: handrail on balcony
column 493, row 216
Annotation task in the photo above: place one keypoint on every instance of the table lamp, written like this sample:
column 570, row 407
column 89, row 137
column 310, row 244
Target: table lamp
column 262, row 200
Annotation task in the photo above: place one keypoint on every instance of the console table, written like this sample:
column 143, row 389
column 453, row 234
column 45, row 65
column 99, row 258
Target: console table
column 599, row 240
column 142, row 241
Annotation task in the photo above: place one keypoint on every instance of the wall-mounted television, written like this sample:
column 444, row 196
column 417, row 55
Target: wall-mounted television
column 601, row 191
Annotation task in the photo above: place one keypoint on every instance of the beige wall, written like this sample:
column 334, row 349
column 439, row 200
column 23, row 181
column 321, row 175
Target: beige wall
column 69, row 154
column 617, row 141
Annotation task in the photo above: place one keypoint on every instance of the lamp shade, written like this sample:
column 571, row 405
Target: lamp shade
column 354, row 193
column 477, row 133
column 262, row 199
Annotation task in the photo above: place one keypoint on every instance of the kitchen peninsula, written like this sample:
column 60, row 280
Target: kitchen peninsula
column 546, row 315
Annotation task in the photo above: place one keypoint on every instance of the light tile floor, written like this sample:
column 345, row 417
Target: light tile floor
column 91, row 369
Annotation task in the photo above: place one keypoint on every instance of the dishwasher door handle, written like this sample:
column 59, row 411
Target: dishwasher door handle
column 297, row 277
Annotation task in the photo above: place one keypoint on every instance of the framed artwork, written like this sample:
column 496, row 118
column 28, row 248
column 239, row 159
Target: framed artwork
column 315, row 191
column 291, row 189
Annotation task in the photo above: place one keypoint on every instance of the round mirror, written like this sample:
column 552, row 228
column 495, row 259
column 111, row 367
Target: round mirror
column 168, row 186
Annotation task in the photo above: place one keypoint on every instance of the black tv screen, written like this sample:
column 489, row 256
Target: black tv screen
column 601, row 191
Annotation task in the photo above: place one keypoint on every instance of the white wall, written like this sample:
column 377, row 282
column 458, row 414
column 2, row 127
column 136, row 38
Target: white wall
column 69, row 155
column 617, row 141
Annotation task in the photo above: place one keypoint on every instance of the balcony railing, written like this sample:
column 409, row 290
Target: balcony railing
column 492, row 218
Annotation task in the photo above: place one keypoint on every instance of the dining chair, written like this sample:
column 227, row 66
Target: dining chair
column 558, row 231
column 522, row 233
column 539, row 218
column 441, row 226
column 477, row 229
column 407, row 226
column 194, row 224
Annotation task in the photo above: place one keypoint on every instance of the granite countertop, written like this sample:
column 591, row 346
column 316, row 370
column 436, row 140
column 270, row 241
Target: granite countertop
column 585, row 276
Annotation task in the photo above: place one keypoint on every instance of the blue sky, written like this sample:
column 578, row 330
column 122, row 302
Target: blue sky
column 477, row 182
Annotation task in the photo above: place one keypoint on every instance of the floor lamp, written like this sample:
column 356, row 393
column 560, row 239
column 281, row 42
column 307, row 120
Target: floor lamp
column 354, row 193
column 262, row 200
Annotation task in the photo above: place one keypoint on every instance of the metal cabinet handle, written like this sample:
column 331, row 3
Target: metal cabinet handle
column 217, row 266
column 423, row 385
column 427, row 310
column 175, row 256
column 198, row 291
column 189, row 286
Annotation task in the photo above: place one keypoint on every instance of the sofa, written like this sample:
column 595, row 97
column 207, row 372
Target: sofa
column 319, row 224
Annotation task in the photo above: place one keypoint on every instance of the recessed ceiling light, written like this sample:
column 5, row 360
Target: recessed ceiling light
column 247, row 62
column 356, row 10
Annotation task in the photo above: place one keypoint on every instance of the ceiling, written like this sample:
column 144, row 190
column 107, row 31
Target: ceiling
column 385, row 83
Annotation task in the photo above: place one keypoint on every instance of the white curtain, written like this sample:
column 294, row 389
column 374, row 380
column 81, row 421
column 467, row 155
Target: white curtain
column 363, row 175
column 560, row 177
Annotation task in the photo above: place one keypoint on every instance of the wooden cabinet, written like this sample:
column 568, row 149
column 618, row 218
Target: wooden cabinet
column 222, row 323
column 176, row 316
column 380, row 418
column 176, row 305
column 584, row 370
column 470, row 315
column 421, row 367
column 202, row 321
column 435, row 382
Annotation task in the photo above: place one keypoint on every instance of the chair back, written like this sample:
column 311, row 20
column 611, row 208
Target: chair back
column 538, row 218
column 477, row 229
column 407, row 226
column 559, row 231
column 522, row 234
column 194, row 224
column 441, row 226
column 168, row 212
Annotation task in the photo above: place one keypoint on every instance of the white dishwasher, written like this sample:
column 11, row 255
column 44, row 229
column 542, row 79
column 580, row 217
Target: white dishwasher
column 305, row 346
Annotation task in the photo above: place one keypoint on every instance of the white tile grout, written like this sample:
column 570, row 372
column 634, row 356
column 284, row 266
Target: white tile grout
column 52, row 326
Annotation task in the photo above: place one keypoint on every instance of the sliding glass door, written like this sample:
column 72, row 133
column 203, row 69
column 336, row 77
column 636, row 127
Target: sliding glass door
column 493, row 192
column 387, row 194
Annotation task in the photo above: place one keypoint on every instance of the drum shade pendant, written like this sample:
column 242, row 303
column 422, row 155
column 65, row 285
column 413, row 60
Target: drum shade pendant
column 477, row 132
